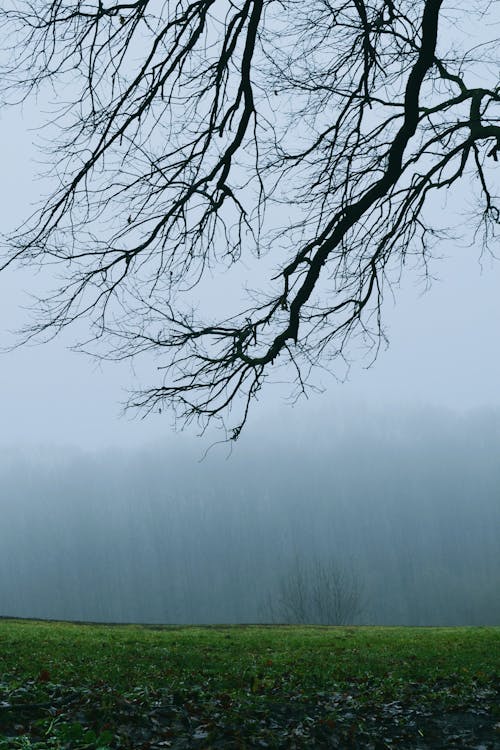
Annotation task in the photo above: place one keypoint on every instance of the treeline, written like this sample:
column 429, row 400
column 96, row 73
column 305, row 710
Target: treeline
column 409, row 504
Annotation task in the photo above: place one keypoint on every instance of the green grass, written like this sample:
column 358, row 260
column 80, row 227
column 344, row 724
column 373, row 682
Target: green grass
column 244, row 669
column 127, row 656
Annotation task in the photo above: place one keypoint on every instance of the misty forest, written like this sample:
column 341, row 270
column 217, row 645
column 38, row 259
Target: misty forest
column 405, row 508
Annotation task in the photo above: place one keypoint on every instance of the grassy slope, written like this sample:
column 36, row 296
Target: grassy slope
column 249, row 667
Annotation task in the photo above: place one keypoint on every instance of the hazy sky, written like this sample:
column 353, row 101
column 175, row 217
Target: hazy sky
column 444, row 345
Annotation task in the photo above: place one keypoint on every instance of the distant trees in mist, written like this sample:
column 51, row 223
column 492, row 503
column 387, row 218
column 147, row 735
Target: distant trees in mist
column 160, row 537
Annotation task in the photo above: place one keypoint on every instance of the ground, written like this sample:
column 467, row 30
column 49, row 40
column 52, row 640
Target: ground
column 70, row 686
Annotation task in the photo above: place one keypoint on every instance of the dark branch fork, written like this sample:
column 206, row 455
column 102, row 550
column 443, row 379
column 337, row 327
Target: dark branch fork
column 192, row 122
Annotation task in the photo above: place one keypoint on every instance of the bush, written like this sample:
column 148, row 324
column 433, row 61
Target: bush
column 322, row 592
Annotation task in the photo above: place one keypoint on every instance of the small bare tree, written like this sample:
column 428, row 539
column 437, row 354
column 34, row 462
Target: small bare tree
column 308, row 138
column 321, row 592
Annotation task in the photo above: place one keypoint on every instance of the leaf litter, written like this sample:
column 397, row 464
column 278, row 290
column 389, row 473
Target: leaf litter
column 47, row 715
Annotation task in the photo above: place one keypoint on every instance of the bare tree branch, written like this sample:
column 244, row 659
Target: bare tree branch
column 309, row 138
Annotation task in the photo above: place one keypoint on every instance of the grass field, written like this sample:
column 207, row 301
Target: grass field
column 81, row 686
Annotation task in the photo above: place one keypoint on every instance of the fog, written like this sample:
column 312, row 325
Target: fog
column 410, row 502
column 131, row 525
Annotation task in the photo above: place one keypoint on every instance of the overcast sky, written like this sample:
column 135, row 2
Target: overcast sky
column 444, row 346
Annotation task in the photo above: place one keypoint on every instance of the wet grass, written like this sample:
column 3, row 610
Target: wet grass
column 83, row 676
column 125, row 656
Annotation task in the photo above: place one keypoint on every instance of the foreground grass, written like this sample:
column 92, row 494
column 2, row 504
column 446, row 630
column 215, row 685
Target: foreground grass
column 64, row 685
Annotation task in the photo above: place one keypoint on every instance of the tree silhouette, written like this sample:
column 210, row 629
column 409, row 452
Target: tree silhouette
column 305, row 139
column 316, row 592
